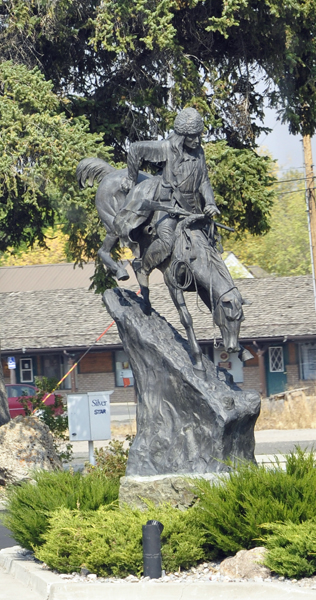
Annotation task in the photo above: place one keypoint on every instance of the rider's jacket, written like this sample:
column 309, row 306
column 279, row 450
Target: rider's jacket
column 183, row 182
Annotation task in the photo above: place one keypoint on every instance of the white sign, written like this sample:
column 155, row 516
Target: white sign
column 126, row 373
column 231, row 362
column 89, row 416
column 11, row 362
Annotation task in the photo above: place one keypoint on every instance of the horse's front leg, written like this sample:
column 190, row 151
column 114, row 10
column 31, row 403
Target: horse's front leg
column 186, row 320
column 105, row 254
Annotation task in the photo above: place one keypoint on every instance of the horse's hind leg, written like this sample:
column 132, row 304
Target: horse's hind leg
column 186, row 320
column 105, row 254
column 143, row 281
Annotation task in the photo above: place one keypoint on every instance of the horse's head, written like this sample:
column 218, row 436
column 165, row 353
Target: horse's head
column 228, row 315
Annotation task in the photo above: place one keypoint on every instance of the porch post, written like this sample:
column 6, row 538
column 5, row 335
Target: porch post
column 72, row 375
column 13, row 376
column 262, row 373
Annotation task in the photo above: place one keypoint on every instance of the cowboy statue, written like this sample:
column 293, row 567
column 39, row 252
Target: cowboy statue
column 183, row 184
column 167, row 222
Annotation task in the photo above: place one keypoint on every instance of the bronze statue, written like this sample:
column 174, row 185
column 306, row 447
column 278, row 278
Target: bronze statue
column 183, row 183
column 167, row 221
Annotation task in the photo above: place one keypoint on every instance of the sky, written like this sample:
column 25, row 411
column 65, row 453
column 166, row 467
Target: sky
column 286, row 148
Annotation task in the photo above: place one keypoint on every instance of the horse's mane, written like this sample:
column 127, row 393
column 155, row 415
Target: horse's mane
column 200, row 240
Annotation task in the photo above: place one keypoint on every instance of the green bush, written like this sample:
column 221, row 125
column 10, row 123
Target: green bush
column 232, row 512
column 71, row 520
column 30, row 504
column 57, row 423
column 292, row 549
column 109, row 542
column 112, row 460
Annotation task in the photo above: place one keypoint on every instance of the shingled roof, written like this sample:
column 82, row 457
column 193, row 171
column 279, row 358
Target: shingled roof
column 73, row 318
column 61, row 276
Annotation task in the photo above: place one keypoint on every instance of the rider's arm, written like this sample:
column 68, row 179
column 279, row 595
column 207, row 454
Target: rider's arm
column 206, row 190
column 155, row 152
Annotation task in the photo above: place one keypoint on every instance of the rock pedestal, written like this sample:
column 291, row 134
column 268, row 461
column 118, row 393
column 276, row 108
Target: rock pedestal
column 184, row 424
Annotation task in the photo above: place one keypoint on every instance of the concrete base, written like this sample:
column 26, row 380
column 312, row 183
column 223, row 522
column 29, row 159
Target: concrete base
column 177, row 490
column 48, row 586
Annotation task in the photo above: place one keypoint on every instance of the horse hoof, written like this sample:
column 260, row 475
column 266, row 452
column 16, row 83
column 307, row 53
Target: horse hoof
column 200, row 372
column 122, row 274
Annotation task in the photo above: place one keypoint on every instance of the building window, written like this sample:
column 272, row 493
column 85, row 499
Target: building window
column 123, row 372
column 276, row 361
column 26, row 370
column 51, row 366
column 308, row 360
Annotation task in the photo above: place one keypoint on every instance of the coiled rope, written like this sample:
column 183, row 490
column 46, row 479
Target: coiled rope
column 175, row 270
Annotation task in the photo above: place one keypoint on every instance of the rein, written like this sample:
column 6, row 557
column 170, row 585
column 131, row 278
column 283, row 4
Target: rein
column 234, row 287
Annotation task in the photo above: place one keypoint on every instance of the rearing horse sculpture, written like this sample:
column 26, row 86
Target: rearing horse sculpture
column 194, row 264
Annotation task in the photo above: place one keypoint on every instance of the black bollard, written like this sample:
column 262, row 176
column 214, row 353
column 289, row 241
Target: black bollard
column 152, row 549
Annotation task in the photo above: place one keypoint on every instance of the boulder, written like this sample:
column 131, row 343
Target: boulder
column 177, row 490
column 26, row 444
column 159, row 489
column 184, row 424
column 246, row 564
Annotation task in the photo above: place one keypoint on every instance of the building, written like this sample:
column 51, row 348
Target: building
column 50, row 319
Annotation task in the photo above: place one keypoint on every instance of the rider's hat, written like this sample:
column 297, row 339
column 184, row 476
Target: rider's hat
column 188, row 122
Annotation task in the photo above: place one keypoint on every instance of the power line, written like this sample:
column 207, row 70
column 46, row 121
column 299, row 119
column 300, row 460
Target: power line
column 291, row 168
column 295, row 191
column 288, row 180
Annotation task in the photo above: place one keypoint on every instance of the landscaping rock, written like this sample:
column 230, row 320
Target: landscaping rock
column 246, row 564
column 26, row 444
column 176, row 490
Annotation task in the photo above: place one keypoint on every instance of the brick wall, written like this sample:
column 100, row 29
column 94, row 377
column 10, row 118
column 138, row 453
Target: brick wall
column 294, row 381
column 99, row 382
column 293, row 377
column 251, row 379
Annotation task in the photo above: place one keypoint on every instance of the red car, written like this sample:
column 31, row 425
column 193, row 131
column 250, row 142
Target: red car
column 16, row 390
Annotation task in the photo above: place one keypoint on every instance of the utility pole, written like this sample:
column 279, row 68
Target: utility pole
column 310, row 203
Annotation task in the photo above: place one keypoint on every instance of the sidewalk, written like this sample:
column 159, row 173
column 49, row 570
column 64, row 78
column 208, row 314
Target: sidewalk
column 45, row 585
column 12, row 589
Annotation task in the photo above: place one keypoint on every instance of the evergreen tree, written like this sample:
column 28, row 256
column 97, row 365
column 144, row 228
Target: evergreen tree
column 40, row 147
column 285, row 249
column 129, row 65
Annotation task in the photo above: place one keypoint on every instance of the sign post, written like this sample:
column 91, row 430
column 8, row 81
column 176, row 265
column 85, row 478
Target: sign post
column 12, row 366
column 89, row 418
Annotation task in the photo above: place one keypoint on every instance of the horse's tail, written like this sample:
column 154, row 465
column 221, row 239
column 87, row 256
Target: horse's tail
column 91, row 169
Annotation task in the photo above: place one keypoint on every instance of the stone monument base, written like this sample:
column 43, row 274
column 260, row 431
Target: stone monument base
column 185, row 424
column 177, row 490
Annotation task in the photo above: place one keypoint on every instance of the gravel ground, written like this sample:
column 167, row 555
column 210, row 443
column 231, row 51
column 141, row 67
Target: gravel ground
column 207, row 571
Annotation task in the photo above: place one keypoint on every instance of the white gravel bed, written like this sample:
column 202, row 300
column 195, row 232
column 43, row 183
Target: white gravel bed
column 206, row 572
